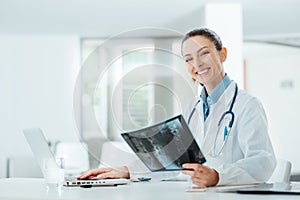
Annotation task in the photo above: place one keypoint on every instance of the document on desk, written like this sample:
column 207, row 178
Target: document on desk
column 231, row 188
column 196, row 189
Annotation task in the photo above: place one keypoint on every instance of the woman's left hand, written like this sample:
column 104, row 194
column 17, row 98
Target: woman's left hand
column 201, row 175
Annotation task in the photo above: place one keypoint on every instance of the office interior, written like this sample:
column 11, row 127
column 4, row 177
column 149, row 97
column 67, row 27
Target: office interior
column 80, row 71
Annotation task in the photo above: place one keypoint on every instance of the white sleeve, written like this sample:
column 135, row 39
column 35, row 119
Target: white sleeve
column 258, row 162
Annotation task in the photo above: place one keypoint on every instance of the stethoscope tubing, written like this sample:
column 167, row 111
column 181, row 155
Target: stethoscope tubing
column 228, row 112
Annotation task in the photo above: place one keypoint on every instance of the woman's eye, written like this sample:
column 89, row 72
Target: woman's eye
column 188, row 59
column 204, row 53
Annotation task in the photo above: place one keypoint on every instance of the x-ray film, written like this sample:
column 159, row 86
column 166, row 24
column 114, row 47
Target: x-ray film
column 165, row 146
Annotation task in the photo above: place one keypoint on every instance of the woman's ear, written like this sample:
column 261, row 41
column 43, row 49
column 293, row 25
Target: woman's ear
column 223, row 54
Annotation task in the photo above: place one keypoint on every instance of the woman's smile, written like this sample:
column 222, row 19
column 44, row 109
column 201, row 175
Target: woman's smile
column 202, row 72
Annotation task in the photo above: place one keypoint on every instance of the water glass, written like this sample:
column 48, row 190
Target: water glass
column 54, row 173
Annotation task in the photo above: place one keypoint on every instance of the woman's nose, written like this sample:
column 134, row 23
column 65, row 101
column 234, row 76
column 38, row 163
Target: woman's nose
column 197, row 63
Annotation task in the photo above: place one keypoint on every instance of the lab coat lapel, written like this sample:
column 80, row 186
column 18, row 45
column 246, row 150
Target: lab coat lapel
column 197, row 124
column 216, row 111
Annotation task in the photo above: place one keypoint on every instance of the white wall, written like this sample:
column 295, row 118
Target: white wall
column 37, row 76
column 273, row 76
column 230, row 30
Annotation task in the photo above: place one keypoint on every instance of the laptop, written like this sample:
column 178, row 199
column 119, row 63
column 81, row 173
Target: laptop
column 41, row 151
column 272, row 188
column 165, row 146
column 281, row 188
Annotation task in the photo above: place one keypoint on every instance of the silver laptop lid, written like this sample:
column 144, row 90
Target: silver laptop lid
column 39, row 146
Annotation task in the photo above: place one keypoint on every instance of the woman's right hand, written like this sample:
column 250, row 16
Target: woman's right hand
column 104, row 173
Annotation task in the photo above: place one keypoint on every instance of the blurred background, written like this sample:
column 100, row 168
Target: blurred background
column 87, row 70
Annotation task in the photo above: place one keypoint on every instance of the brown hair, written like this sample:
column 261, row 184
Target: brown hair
column 209, row 34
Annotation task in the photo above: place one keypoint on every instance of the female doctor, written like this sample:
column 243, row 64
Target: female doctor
column 229, row 124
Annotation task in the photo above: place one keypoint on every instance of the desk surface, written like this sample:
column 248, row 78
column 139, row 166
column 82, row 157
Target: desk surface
column 24, row 188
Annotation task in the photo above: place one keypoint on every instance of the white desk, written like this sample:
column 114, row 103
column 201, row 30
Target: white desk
column 17, row 188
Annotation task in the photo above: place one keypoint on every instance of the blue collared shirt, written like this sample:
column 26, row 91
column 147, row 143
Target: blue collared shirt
column 214, row 96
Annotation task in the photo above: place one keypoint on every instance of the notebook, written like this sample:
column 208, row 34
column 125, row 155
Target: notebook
column 41, row 151
column 165, row 146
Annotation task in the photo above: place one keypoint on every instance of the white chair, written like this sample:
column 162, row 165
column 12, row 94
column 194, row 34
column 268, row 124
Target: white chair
column 23, row 166
column 116, row 154
column 3, row 167
column 76, row 157
column 282, row 172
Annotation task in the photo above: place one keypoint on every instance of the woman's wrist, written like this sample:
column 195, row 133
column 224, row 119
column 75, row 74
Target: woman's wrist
column 126, row 173
column 216, row 181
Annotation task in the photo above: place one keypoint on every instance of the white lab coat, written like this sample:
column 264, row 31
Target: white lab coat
column 247, row 156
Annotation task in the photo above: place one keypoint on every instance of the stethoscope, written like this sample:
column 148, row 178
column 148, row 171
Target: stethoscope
column 227, row 130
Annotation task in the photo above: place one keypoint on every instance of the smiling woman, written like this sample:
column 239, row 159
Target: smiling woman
column 220, row 101
column 204, row 57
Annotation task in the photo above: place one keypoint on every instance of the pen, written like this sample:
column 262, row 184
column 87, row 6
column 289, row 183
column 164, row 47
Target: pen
column 144, row 179
column 225, row 132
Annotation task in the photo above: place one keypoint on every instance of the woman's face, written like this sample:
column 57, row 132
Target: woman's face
column 204, row 61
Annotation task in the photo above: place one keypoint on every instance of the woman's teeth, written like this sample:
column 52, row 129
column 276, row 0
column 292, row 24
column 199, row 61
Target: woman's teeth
column 202, row 72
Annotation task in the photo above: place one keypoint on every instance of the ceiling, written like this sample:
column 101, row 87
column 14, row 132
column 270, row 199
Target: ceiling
column 102, row 18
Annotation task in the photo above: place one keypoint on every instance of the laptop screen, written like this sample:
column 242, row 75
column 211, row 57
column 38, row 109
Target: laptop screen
column 165, row 146
column 39, row 146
